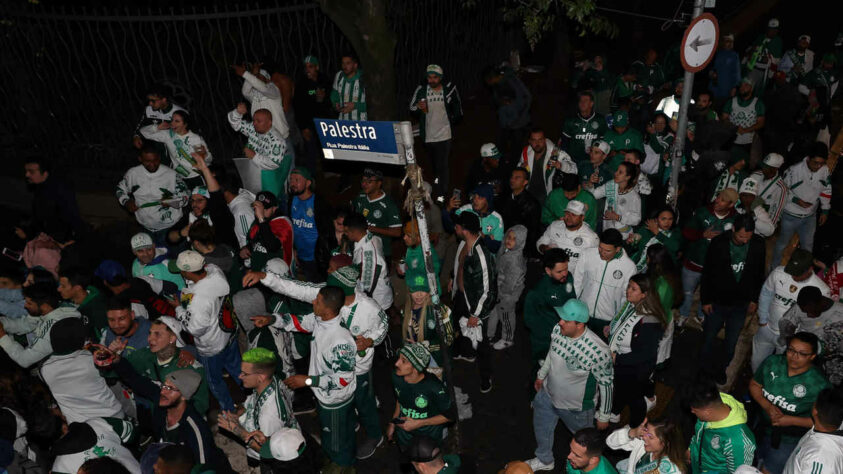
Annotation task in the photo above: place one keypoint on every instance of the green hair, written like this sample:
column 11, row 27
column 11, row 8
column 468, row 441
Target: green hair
column 259, row 355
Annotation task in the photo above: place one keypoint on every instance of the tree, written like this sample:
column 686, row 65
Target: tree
column 539, row 17
column 364, row 24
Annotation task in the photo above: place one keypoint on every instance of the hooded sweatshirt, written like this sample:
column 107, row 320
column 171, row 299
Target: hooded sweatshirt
column 722, row 446
column 157, row 269
column 149, row 190
column 200, row 315
column 78, row 387
column 41, row 345
column 512, row 266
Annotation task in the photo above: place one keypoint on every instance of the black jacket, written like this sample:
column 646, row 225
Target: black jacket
column 718, row 284
column 55, row 212
column 525, row 210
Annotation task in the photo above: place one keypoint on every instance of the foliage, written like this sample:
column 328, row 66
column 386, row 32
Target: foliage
column 538, row 17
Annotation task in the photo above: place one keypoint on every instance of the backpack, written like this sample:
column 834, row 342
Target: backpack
column 227, row 317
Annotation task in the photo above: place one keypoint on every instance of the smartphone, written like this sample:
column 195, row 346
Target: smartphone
column 458, row 194
column 14, row 255
column 398, row 421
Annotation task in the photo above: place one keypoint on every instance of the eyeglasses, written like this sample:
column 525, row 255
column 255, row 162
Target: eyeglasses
column 169, row 388
column 793, row 351
column 246, row 374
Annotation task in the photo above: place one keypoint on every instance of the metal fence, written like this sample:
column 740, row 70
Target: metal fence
column 72, row 81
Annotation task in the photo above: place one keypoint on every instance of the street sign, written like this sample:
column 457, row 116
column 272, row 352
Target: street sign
column 373, row 142
column 699, row 43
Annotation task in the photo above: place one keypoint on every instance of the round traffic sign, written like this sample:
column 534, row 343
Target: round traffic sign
column 699, row 43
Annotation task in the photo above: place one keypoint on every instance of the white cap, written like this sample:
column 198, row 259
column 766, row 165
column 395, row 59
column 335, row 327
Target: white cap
column 277, row 266
column 568, row 167
column 774, row 160
column 489, row 150
column 729, row 36
column 265, row 73
column 773, row 23
column 188, row 261
column 285, row 445
column 575, row 207
column 603, row 146
column 805, row 37
column 749, row 186
column 142, row 240
column 174, row 326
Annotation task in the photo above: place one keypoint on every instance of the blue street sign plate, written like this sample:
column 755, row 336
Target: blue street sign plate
column 376, row 142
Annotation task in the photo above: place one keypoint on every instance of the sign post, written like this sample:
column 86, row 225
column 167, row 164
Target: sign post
column 372, row 142
column 698, row 47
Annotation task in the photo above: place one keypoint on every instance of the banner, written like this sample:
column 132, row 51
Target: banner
column 374, row 142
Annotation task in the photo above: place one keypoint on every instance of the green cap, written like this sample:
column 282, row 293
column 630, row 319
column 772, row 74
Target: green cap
column 303, row 172
column 311, row 59
column 344, row 278
column 830, row 58
column 417, row 355
column 417, row 283
column 621, row 119
column 573, row 310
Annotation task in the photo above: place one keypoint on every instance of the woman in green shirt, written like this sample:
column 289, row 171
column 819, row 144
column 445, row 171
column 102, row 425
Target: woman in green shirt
column 658, row 229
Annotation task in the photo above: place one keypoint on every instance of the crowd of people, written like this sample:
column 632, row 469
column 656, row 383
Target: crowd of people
column 248, row 303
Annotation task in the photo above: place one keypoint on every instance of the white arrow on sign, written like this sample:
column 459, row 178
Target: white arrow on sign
column 698, row 42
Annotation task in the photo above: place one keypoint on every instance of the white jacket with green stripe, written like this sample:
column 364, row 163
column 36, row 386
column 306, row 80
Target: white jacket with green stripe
column 363, row 317
column 601, row 285
column 374, row 270
column 332, row 356
column 244, row 215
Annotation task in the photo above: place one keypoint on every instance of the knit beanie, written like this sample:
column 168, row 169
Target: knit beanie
column 344, row 278
column 417, row 355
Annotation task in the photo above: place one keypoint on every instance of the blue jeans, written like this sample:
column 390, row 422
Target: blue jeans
column 733, row 318
column 690, row 282
column 774, row 459
column 804, row 226
column 545, row 417
column 228, row 359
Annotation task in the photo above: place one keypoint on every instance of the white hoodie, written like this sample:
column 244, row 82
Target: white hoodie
column 574, row 242
column 602, row 285
column 78, row 387
column 363, row 317
column 332, row 358
column 244, row 215
column 148, row 190
column 201, row 316
column 626, row 205
column 41, row 345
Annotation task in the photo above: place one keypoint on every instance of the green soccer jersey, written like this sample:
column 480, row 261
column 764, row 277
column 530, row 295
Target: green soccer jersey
column 605, row 467
column 604, row 173
column 420, row 401
column 382, row 212
column 630, row 139
column 556, row 203
column 581, row 133
column 793, row 395
column 145, row 363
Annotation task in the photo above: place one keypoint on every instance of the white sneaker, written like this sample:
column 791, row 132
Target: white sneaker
column 651, row 403
column 536, row 465
column 502, row 344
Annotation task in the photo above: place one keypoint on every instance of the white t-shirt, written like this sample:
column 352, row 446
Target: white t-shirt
column 437, row 126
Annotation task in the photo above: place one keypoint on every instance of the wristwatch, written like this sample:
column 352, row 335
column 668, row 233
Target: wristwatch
column 308, row 381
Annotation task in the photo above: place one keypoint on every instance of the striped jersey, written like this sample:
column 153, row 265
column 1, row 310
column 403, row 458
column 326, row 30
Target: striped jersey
column 350, row 89
column 578, row 373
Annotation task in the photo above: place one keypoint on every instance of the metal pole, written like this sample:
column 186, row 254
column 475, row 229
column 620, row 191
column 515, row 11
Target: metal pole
column 406, row 129
column 681, row 131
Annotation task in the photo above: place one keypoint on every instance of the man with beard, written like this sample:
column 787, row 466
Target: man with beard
column 571, row 190
column 380, row 211
column 580, row 132
column 544, row 162
column 553, row 290
column 125, row 333
column 746, row 113
column 570, row 233
column 310, row 217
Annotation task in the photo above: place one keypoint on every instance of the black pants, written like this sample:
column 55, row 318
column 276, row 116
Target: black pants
column 438, row 153
column 631, row 385
column 483, row 353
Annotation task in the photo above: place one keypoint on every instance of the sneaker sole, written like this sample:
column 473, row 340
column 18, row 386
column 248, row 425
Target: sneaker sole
column 378, row 445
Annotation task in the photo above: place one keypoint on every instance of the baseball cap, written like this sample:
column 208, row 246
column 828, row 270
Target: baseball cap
column 749, row 186
column 311, row 59
column 201, row 191
column 186, row 380
column 490, row 150
column 621, row 119
column 267, row 198
column 469, row 221
column 373, row 173
column 602, row 146
column 175, row 326
column 774, row 160
column 747, row 80
column 773, row 23
column 573, row 310
column 109, row 269
column 799, row 263
column 142, row 240
column 285, row 445
column 303, row 172
column 729, row 36
column 575, row 207
column 485, row 191
column 187, row 261
column 434, row 69
column 805, row 37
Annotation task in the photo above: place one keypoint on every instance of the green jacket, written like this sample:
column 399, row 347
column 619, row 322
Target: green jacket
column 722, row 446
column 556, row 202
column 146, row 364
column 453, row 105
column 702, row 219
column 637, row 250
column 539, row 313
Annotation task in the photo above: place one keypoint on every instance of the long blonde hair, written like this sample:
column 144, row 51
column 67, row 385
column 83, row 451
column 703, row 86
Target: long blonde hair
column 408, row 318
